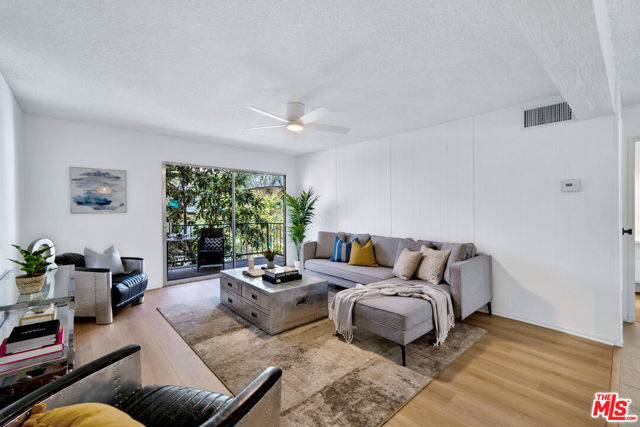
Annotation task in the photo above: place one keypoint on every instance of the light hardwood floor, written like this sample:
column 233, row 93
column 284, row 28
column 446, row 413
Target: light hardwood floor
column 516, row 374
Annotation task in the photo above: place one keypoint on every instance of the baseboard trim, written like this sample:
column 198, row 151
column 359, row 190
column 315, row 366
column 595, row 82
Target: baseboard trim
column 599, row 339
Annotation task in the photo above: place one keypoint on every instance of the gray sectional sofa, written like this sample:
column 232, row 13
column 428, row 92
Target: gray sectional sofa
column 467, row 275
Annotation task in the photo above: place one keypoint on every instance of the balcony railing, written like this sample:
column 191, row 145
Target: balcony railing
column 252, row 239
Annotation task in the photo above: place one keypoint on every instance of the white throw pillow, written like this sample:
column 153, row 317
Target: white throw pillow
column 109, row 259
column 431, row 267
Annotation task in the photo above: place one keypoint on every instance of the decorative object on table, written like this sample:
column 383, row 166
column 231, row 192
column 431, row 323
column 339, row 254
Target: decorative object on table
column 35, row 266
column 98, row 190
column 38, row 314
column 281, row 275
column 51, row 254
column 211, row 248
column 12, row 360
column 254, row 272
column 251, row 264
column 270, row 255
column 301, row 210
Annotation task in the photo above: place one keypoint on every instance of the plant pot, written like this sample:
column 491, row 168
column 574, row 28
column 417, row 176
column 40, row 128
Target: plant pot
column 271, row 264
column 296, row 264
column 29, row 285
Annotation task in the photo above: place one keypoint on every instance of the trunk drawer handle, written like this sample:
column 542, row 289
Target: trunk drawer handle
column 254, row 314
column 229, row 284
column 254, row 296
column 230, row 300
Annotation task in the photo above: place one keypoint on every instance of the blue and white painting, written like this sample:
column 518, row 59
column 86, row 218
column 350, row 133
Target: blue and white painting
column 98, row 190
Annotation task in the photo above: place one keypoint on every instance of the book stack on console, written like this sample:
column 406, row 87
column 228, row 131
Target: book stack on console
column 31, row 344
column 281, row 275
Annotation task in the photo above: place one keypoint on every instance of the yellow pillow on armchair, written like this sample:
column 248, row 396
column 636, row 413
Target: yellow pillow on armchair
column 79, row 415
column 362, row 255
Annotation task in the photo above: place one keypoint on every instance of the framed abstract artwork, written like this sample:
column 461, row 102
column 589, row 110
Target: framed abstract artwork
column 98, row 190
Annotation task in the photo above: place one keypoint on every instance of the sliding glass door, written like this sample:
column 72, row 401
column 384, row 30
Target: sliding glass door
column 219, row 218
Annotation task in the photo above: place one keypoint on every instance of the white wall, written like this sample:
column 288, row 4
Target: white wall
column 11, row 128
column 54, row 145
column 485, row 179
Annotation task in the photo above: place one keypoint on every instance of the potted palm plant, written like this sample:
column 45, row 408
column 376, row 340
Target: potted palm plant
column 301, row 210
column 34, row 265
column 270, row 254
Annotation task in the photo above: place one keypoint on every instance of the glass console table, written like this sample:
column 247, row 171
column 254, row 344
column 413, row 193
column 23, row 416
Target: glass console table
column 58, row 292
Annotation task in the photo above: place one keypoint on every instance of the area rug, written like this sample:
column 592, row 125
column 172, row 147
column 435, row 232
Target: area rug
column 325, row 381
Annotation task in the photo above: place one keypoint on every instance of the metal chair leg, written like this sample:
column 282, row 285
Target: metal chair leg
column 489, row 309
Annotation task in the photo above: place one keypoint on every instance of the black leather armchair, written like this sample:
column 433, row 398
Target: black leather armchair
column 115, row 379
column 99, row 293
column 210, row 257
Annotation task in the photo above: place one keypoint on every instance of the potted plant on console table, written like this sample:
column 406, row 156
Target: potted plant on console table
column 35, row 266
column 301, row 211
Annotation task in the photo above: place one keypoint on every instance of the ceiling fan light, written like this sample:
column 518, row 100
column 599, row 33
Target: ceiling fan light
column 295, row 127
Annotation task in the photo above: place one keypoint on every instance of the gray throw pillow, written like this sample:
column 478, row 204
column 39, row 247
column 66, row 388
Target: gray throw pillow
column 109, row 259
column 431, row 267
column 406, row 264
column 324, row 244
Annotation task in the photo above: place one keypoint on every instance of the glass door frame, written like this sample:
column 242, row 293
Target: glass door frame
column 233, row 171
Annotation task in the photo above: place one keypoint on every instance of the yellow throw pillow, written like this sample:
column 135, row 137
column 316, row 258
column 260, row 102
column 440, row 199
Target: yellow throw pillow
column 80, row 415
column 362, row 255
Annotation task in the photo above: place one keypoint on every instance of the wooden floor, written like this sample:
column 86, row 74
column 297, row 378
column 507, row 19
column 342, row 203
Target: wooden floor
column 516, row 374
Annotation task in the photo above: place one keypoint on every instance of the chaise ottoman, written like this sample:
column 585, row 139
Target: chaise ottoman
column 398, row 319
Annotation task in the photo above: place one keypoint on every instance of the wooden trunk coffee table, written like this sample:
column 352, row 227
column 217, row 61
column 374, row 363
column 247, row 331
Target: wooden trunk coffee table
column 274, row 308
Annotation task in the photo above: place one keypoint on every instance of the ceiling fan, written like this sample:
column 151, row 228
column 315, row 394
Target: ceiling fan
column 297, row 120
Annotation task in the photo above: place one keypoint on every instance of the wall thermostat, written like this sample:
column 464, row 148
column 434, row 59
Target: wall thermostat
column 570, row 185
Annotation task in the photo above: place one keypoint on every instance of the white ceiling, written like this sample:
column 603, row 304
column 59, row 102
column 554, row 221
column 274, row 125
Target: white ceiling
column 625, row 29
column 189, row 69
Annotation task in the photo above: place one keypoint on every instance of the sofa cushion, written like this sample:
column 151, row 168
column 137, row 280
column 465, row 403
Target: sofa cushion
column 172, row 405
column 432, row 266
column 109, row 259
column 69, row 258
column 385, row 249
column 362, row 254
column 407, row 263
column 362, row 238
column 341, row 250
column 407, row 243
column 402, row 313
column 324, row 246
column 458, row 253
column 126, row 288
column 354, row 273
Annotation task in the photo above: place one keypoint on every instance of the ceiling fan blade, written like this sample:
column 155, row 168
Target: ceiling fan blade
column 314, row 115
column 265, row 113
column 327, row 128
column 267, row 127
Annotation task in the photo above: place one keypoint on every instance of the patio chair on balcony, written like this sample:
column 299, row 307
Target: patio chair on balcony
column 211, row 248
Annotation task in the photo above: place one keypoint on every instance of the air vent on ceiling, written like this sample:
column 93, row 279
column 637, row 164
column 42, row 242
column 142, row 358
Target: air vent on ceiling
column 547, row 114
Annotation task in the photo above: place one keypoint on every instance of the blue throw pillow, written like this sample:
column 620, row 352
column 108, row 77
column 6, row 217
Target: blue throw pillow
column 341, row 250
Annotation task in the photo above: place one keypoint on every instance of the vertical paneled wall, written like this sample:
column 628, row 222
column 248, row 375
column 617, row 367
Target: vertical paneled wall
column 487, row 180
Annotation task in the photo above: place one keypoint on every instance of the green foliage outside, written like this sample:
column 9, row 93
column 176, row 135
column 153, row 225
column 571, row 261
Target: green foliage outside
column 201, row 196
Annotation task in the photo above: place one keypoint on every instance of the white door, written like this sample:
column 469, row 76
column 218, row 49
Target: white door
column 628, row 232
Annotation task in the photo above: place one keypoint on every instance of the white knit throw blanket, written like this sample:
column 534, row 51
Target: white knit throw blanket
column 341, row 309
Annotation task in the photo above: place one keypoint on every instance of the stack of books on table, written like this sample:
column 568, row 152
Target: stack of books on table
column 31, row 344
column 281, row 275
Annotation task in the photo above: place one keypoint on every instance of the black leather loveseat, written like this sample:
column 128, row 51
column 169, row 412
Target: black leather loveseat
column 99, row 292
column 115, row 379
